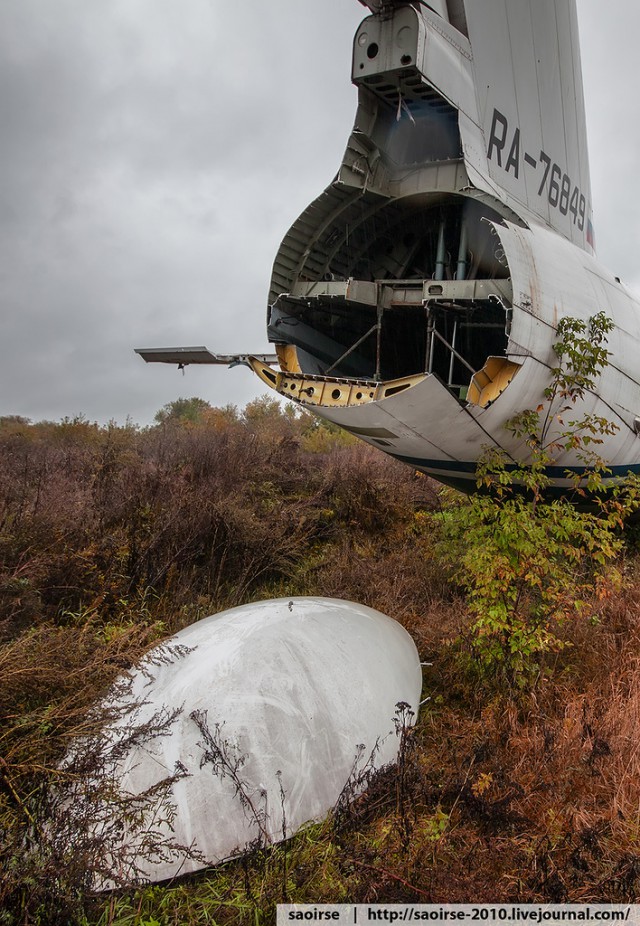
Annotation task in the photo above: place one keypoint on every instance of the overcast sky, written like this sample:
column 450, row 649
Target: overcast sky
column 152, row 155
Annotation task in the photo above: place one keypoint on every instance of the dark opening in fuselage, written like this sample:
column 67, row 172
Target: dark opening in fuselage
column 417, row 286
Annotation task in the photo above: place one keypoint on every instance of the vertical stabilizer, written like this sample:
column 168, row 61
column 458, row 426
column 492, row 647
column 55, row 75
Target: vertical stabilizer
column 530, row 111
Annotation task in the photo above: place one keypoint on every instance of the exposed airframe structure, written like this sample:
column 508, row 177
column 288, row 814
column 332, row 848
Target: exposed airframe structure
column 415, row 302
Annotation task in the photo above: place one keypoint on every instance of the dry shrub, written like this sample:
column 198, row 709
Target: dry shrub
column 374, row 494
column 106, row 532
column 92, row 518
column 400, row 579
column 543, row 792
column 113, row 537
column 51, row 679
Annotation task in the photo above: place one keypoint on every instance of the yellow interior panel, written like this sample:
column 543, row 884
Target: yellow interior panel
column 491, row 380
column 288, row 358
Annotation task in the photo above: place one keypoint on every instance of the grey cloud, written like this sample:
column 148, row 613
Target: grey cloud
column 153, row 154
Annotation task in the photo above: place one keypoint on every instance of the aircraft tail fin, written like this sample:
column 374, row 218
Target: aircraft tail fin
column 509, row 71
column 530, row 109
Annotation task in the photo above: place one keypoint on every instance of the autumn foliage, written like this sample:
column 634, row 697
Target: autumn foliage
column 112, row 538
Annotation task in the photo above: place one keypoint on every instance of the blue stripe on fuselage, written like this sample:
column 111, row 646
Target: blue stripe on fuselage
column 461, row 476
column 553, row 472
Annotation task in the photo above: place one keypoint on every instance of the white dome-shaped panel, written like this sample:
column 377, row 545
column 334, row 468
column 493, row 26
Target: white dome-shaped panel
column 278, row 705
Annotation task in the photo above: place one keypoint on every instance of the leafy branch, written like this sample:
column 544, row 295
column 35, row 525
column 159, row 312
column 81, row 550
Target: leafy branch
column 530, row 561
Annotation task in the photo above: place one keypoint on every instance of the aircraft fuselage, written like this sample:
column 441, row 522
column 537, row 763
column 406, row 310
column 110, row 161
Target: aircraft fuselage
column 415, row 302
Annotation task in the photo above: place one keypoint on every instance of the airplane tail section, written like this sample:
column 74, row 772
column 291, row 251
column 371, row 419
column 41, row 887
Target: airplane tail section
column 398, row 293
column 415, row 302
column 510, row 69
column 530, row 110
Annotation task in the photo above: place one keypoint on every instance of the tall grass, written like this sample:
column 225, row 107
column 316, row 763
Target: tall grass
column 112, row 538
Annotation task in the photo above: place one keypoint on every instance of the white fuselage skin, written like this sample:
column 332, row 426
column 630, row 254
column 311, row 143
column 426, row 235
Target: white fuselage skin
column 487, row 112
column 551, row 279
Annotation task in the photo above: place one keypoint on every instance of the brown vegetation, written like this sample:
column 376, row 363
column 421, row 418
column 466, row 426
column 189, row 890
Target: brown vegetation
column 113, row 538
